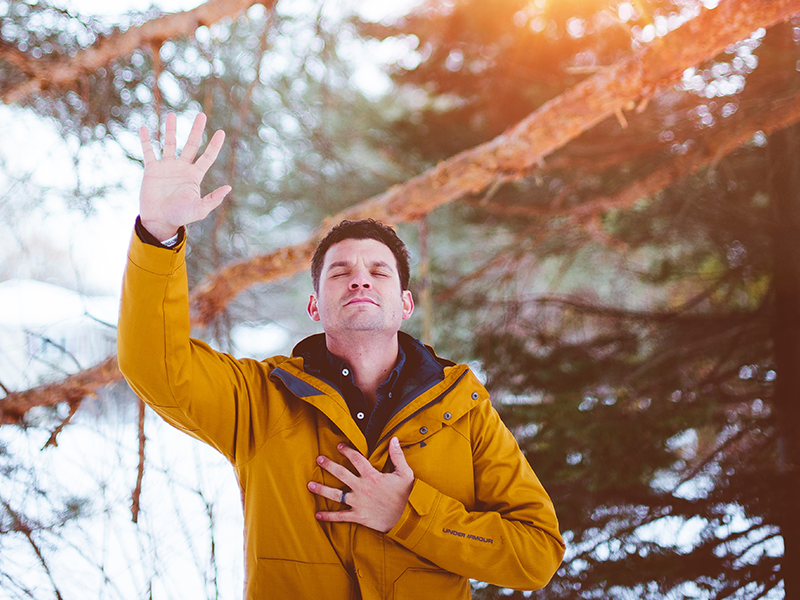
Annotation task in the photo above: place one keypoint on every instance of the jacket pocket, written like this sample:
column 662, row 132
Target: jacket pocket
column 281, row 578
column 433, row 584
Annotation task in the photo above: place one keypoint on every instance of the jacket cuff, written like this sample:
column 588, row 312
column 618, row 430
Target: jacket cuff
column 154, row 258
column 417, row 516
column 149, row 238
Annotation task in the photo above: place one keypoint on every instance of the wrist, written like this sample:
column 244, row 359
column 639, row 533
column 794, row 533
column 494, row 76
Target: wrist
column 158, row 230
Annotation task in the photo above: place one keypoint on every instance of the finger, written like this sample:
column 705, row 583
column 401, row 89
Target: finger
column 212, row 151
column 361, row 464
column 339, row 516
column 338, row 471
column 195, row 137
column 215, row 198
column 169, row 136
column 147, row 147
column 325, row 491
column 399, row 459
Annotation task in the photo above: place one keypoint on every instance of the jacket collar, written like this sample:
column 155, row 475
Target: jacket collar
column 428, row 381
column 322, row 363
column 321, row 395
column 421, row 370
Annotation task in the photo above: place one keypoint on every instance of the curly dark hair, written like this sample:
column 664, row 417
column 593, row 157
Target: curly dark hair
column 366, row 229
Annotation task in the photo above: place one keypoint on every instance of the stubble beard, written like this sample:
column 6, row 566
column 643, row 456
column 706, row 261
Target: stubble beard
column 365, row 320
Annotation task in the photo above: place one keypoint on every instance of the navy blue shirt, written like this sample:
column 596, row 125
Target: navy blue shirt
column 417, row 369
column 371, row 422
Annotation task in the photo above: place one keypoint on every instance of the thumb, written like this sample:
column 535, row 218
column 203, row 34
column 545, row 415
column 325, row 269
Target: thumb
column 399, row 459
column 215, row 198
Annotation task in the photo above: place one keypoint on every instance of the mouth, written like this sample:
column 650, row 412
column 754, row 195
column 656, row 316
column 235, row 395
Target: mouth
column 361, row 300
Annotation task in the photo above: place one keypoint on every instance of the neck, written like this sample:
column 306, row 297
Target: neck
column 371, row 357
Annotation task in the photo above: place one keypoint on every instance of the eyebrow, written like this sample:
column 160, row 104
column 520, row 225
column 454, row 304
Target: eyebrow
column 344, row 263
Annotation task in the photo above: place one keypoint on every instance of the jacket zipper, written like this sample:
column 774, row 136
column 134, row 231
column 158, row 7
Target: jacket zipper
column 419, row 410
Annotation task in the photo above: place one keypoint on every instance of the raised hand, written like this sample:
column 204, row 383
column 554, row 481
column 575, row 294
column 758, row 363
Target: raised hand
column 170, row 195
column 376, row 499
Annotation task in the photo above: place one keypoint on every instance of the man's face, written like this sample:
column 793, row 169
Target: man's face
column 359, row 289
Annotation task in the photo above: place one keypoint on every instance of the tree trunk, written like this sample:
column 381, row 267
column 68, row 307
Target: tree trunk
column 785, row 150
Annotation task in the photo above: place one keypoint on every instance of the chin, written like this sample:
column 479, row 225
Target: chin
column 363, row 327
column 366, row 324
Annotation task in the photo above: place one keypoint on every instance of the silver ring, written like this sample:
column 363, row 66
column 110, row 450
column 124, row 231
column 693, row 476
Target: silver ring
column 342, row 498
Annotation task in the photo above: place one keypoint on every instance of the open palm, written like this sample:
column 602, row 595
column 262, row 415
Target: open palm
column 170, row 194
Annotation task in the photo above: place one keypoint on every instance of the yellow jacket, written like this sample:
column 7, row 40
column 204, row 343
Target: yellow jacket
column 476, row 510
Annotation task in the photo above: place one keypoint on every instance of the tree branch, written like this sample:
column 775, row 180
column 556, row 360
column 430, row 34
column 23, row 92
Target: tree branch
column 516, row 151
column 20, row 524
column 46, row 74
column 510, row 155
column 53, row 441
column 137, row 491
column 72, row 389
column 720, row 142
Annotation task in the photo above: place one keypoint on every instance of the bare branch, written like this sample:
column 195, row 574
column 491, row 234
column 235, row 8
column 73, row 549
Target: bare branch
column 58, row 347
column 72, row 389
column 53, row 441
column 21, row 525
column 137, row 491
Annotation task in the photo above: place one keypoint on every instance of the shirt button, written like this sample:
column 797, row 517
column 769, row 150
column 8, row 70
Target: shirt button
column 423, row 430
column 345, row 372
column 447, row 416
column 360, row 415
column 390, row 394
column 360, row 573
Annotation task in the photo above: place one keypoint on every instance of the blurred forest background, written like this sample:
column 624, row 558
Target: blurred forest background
column 602, row 199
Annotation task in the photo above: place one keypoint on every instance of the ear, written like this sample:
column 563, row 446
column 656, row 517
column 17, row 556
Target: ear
column 313, row 309
column 408, row 304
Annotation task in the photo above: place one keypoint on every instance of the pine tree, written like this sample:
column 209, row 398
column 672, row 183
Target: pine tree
column 632, row 309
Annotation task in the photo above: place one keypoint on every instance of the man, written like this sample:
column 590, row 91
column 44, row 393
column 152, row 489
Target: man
column 369, row 467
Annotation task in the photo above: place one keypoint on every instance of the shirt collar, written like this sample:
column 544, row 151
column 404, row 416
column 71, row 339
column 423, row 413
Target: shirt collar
column 340, row 372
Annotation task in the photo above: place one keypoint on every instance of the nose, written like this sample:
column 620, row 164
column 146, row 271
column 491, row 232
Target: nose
column 360, row 280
